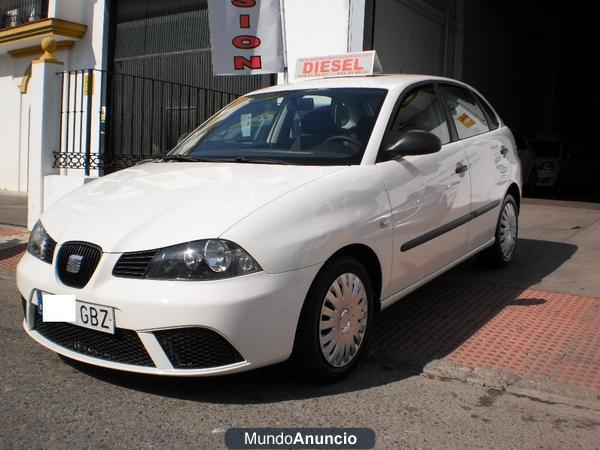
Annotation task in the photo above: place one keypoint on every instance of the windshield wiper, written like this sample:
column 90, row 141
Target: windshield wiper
column 236, row 159
column 243, row 159
column 183, row 158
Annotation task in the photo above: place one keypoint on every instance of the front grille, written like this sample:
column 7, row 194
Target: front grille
column 76, row 273
column 122, row 347
column 196, row 348
column 134, row 264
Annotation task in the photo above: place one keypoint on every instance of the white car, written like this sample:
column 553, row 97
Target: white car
column 278, row 229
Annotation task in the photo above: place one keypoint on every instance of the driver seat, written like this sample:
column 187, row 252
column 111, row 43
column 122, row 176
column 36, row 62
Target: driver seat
column 315, row 127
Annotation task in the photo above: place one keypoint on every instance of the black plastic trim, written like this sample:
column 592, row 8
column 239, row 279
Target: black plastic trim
column 24, row 306
column 124, row 347
column 134, row 264
column 91, row 253
column 430, row 235
column 197, row 348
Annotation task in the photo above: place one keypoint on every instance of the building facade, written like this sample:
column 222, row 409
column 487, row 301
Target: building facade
column 132, row 76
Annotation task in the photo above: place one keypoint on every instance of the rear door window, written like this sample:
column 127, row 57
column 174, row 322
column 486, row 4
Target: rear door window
column 469, row 119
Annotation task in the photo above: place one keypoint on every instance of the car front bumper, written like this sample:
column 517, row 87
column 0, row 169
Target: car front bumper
column 255, row 314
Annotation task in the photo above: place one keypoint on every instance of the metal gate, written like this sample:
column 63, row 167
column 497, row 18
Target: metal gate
column 158, row 86
column 110, row 121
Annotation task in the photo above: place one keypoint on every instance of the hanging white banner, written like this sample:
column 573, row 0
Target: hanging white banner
column 240, row 42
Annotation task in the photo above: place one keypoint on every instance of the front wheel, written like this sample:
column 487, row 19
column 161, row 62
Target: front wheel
column 507, row 232
column 335, row 321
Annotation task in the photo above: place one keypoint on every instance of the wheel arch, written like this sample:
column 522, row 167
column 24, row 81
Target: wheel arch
column 370, row 261
column 514, row 190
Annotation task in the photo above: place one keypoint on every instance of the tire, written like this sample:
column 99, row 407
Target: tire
column 345, row 321
column 501, row 253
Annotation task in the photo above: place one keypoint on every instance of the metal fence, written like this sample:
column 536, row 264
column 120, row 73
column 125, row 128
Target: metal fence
column 112, row 120
column 17, row 12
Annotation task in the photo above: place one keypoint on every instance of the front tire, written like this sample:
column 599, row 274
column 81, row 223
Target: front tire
column 335, row 322
column 501, row 253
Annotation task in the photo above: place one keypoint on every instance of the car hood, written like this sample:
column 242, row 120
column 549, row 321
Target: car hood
column 159, row 204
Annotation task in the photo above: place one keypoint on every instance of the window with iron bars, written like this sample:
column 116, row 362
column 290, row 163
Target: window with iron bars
column 18, row 12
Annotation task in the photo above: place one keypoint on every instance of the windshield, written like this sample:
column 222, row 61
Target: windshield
column 308, row 127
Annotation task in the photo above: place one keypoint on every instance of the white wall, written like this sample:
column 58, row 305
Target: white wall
column 89, row 52
column 12, row 169
column 318, row 27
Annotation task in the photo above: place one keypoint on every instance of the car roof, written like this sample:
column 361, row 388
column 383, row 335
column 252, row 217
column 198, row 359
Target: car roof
column 383, row 81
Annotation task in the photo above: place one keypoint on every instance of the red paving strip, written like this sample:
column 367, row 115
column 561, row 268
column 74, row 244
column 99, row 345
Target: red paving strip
column 554, row 337
column 9, row 257
column 11, row 231
column 538, row 335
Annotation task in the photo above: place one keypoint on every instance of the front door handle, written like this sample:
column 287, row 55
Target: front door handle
column 504, row 150
column 461, row 168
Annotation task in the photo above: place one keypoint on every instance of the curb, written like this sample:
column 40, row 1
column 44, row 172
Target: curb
column 499, row 380
column 15, row 240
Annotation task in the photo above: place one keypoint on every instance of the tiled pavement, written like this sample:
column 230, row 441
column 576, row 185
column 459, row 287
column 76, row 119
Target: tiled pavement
column 12, row 246
column 542, row 336
column 11, row 231
column 9, row 257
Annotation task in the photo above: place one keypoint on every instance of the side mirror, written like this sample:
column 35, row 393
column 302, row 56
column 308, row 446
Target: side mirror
column 182, row 138
column 414, row 142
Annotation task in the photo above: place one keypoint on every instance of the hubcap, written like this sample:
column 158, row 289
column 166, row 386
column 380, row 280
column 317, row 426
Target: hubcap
column 508, row 230
column 343, row 319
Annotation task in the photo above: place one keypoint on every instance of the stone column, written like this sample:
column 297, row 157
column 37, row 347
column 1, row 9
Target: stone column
column 44, row 89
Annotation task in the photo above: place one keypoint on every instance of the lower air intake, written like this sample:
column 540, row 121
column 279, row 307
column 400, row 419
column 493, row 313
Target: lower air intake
column 122, row 347
column 197, row 348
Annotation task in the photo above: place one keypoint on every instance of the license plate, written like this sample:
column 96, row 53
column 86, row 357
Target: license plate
column 87, row 315
column 95, row 317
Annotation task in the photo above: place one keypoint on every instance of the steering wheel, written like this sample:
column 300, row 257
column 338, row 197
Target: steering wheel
column 341, row 137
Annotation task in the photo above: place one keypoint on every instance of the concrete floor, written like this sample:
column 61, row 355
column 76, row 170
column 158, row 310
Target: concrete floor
column 559, row 251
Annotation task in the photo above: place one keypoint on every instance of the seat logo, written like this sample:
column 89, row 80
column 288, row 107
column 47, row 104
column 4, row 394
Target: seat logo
column 74, row 263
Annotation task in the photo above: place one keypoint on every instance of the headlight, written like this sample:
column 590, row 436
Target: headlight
column 209, row 259
column 548, row 165
column 40, row 244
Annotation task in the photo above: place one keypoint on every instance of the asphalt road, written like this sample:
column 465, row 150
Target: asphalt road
column 46, row 401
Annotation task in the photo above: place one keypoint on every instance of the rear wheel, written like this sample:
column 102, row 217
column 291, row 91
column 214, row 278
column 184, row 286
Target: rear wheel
column 507, row 232
column 335, row 321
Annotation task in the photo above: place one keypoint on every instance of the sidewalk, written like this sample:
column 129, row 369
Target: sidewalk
column 13, row 241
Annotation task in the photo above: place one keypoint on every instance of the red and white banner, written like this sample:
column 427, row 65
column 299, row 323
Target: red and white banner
column 348, row 64
column 245, row 36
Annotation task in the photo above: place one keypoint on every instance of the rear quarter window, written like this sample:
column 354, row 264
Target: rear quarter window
column 495, row 121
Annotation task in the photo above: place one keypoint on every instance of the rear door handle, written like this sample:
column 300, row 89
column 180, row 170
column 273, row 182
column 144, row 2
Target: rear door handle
column 461, row 168
column 504, row 150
